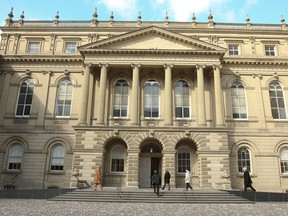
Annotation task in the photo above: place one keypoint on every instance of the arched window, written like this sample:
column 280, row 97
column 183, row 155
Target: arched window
column 284, row 160
column 244, row 159
column 117, row 159
column 238, row 100
column 277, row 101
column 15, row 157
column 184, row 159
column 120, row 106
column 57, row 158
column 25, row 98
column 182, row 105
column 151, row 99
column 64, row 98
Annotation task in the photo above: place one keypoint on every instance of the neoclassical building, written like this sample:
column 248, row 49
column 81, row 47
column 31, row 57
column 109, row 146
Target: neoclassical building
column 138, row 96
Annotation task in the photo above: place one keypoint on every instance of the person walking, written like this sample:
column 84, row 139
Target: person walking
column 247, row 180
column 156, row 182
column 188, row 180
column 98, row 179
column 167, row 177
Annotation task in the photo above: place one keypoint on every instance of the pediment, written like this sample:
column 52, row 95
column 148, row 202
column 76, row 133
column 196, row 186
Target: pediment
column 152, row 39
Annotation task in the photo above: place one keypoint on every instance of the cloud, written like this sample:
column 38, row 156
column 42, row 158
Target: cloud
column 125, row 8
column 182, row 10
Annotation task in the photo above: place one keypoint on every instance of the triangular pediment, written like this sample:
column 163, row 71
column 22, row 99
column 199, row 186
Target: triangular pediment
column 153, row 39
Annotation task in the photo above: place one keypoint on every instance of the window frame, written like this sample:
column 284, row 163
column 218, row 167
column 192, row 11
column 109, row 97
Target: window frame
column 151, row 97
column 284, row 148
column 245, row 160
column 270, row 52
column 182, row 98
column 186, row 151
column 66, row 50
column 27, row 93
column 277, row 98
column 53, row 158
column 238, row 97
column 121, row 98
column 17, row 157
column 118, row 165
column 233, row 52
column 64, row 104
column 34, row 50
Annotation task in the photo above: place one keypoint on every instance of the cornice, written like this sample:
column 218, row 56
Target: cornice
column 255, row 61
column 49, row 58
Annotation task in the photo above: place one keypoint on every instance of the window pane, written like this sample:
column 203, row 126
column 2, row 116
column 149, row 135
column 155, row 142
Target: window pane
column 64, row 97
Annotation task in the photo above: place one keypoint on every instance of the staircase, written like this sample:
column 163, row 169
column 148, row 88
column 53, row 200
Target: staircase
column 147, row 196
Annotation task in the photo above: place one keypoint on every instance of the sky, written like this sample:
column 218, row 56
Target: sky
column 235, row 11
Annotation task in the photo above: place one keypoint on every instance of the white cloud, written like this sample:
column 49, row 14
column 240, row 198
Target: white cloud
column 126, row 8
column 182, row 10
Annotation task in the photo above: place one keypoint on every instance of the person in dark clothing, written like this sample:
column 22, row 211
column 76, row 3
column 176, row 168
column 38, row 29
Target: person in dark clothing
column 156, row 182
column 247, row 180
column 167, row 177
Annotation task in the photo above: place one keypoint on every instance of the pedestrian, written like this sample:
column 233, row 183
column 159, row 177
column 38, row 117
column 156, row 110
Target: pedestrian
column 247, row 180
column 156, row 182
column 98, row 179
column 167, row 177
column 188, row 180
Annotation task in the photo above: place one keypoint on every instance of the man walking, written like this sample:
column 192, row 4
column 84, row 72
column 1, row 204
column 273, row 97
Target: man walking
column 247, row 180
column 156, row 182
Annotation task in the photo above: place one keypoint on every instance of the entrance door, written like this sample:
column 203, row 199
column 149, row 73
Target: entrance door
column 145, row 172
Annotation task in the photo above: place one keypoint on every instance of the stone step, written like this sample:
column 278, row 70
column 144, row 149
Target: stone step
column 150, row 197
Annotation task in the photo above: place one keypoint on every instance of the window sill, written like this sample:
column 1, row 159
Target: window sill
column 242, row 176
column 284, row 175
column 55, row 173
column 12, row 172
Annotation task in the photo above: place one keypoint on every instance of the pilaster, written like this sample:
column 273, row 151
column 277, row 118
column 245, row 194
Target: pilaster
column 201, row 96
column 168, row 95
column 102, row 92
column 132, row 168
column 134, row 95
column 218, row 97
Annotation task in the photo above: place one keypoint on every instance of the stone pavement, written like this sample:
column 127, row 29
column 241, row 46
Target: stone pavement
column 24, row 207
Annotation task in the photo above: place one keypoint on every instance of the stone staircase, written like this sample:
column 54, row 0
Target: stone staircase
column 147, row 196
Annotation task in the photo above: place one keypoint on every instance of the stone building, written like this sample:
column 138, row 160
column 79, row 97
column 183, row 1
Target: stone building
column 135, row 96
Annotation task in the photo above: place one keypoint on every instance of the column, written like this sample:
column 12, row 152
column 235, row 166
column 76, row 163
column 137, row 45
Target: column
column 5, row 94
column 168, row 95
column 102, row 93
column 134, row 104
column 260, row 102
column 85, row 94
column 201, row 96
column 218, row 96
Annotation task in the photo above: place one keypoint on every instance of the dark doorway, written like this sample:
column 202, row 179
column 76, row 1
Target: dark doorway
column 155, row 165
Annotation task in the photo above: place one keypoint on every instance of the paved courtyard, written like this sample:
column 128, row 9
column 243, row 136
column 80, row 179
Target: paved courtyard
column 20, row 207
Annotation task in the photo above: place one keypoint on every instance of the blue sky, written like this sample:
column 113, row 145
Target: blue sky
column 259, row 11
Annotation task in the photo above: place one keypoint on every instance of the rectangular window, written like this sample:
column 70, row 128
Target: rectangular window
column 183, row 162
column 233, row 49
column 270, row 50
column 117, row 165
column 70, row 47
column 33, row 47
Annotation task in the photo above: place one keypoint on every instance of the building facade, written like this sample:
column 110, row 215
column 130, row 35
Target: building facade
column 139, row 96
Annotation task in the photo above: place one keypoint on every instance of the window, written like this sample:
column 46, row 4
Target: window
column 182, row 105
column 238, row 100
column 151, row 99
column 57, row 158
column 184, row 160
column 284, row 160
column 244, row 159
column 117, row 159
column 270, row 50
column 233, row 49
column 277, row 101
column 120, row 106
column 70, row 47
column 15, row 157
column 33, row 47
column 64, row 98
column 25, row 98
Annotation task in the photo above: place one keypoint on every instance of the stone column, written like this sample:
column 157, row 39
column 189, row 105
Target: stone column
column 168, row 118
column 169, row 164
column 132, row 168
column 134, row 104
column 102, row 93
column 218, row 96
column 5, row 94
column 85, row 94
column 201, row 96
column 259, row 97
